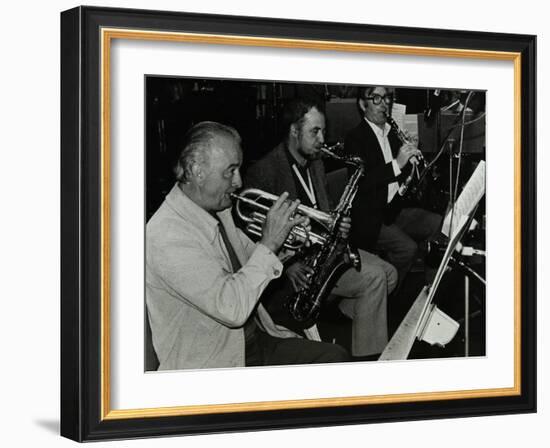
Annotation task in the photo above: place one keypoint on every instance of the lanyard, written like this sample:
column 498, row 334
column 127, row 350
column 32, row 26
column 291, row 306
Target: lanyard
column 310, row 192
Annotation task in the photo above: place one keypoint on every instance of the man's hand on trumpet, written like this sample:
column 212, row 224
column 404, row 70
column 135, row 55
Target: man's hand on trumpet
column 280, row 220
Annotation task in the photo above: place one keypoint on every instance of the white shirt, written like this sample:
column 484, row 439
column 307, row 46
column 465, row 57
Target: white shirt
column 196, row 304
column 382, row 137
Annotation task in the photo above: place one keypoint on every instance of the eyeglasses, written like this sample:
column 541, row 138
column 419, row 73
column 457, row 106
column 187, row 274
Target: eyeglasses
column 377, row 99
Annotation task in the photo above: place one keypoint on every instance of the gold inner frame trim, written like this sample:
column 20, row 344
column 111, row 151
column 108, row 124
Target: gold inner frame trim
column 107, row 35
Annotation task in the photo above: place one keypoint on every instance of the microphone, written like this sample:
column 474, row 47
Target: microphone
column 434, row 103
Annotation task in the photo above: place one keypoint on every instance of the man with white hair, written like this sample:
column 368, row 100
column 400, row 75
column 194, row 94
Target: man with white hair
column 204, row 277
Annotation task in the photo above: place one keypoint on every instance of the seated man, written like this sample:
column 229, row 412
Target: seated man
column 204, row 277
column 295, row 166
column 381, row 223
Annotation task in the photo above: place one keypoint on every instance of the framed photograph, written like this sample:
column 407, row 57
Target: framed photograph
column 170, row 125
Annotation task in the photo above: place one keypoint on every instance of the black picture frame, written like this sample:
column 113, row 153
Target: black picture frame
column 85, row 413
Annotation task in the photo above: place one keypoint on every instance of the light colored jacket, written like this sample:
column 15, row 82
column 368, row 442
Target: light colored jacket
column 196, row 304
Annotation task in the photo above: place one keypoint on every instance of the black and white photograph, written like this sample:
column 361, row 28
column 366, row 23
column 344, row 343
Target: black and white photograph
column 281, row 224
column 307, row 223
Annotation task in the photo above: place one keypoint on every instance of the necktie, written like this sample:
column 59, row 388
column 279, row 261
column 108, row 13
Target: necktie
column 250, row 325
column 235, row 263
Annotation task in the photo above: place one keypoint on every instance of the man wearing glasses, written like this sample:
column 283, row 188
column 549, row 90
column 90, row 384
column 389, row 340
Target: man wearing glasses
column 380, row 223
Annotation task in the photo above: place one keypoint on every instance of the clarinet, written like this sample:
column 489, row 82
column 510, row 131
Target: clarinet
column 414, row 160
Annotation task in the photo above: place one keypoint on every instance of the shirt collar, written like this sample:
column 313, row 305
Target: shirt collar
column 178, row 201
column 292, row 160
column 380, row 132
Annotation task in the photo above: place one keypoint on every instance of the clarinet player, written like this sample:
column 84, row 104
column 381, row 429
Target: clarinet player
column 381, row 223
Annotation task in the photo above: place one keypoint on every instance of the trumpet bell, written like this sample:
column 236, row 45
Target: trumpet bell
column 252, row 205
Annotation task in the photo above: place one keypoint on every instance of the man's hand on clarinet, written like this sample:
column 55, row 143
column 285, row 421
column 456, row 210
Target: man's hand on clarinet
column 408, row 152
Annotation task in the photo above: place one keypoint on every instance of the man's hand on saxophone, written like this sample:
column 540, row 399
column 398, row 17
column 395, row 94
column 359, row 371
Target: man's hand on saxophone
column 299, row 274
column 345, row 226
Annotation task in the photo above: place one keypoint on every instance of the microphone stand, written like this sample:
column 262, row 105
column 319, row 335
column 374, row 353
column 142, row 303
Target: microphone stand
column 453, row 193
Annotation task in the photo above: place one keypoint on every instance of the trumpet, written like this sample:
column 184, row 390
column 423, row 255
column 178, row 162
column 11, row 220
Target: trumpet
column 251, row 207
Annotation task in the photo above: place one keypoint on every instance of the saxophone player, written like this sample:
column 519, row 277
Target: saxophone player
column 381, row 223
column 294, row 166
column 204, row 277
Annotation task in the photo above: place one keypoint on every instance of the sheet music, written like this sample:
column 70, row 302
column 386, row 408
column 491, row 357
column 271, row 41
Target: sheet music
column 403, row 339
column 411, row 124
column 471, row 194
column 398, row 114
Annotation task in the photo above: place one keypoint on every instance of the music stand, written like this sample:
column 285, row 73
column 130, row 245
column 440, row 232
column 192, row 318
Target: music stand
column 424, row 320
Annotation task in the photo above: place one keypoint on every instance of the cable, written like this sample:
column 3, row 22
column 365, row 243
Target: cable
column 454, row 191
column 479, row 117
column 468, row 98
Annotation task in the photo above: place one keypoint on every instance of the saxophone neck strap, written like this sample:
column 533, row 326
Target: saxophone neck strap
column 308, row 187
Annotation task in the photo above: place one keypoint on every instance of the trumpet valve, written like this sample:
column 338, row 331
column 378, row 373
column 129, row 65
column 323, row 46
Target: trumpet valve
column 257, row 217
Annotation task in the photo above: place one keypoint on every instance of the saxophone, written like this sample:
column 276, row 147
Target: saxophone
column 330, row 260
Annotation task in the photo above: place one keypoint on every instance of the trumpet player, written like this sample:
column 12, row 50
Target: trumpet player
column 294, row 166
column 380, row 221
column 204, row 277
